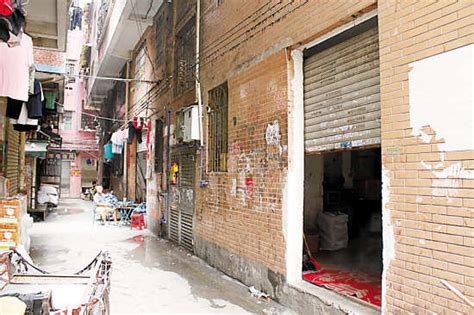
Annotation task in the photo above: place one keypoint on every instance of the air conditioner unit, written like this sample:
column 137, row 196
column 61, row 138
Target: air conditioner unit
column 191, row 123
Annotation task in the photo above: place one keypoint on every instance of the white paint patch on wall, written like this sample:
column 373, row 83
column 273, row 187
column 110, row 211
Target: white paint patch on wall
column 442, row 96
column 388, row 252
column 455, row 171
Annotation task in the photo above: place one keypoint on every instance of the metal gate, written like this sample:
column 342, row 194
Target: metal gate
column 181, row 215
column 13, row 151
column 342, row 91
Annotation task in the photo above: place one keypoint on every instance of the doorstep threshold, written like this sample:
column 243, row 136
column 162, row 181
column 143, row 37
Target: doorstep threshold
column 345, row 303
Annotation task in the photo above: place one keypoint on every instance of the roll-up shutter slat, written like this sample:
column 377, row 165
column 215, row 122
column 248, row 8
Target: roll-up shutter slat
column 13, row 151
column 342, row 95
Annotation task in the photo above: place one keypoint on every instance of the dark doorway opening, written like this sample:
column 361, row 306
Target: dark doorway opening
column 343, row 215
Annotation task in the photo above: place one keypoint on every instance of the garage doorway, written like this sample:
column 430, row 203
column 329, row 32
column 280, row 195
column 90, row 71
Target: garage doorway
column 342, row 203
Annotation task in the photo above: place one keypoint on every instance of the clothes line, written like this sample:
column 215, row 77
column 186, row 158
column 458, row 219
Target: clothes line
column 112, row 78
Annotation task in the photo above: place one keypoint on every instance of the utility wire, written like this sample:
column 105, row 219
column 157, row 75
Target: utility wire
column 113, row 78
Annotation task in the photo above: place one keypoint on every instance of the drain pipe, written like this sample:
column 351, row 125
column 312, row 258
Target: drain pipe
column 167, row 195
column 202, row 182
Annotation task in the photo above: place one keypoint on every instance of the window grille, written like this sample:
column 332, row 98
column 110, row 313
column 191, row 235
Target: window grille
column 71, row 71
column 185, row 58
column 140, row 64
column 87, row 122
column 160, row 36
column 218, row 128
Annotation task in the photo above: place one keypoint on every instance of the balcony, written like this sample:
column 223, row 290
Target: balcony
column 47, row 23
column 118, row 26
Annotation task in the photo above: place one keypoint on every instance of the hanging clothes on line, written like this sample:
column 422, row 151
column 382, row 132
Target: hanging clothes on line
column 11, row 25
column 15, row 64
column 118, row 139
column 108, row 155
column 30, row 112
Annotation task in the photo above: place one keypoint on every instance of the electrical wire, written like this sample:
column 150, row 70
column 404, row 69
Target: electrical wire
column 113, row 78
column 95, row 116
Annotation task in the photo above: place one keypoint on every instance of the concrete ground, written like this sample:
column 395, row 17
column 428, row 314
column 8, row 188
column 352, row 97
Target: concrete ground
column 150, row 276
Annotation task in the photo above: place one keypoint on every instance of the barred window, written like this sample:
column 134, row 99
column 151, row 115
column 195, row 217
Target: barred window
column 87, row 122
column 185, row 57
column 140, row 64
column 218, row 135
column 70, row 71
column 160, row 35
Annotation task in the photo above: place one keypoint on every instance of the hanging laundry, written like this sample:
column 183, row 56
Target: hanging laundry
column 118, row 139
column 15, row 63
column 23, row 123
column 131, row 132
column 50, row 101
column 6, row 7
column 75, row 19
column 138, row 126
column 11, row 27
column 34, row 104
column 108, row 151
column 13, row 108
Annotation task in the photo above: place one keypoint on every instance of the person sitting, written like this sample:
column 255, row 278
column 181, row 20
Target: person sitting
column 103, row 208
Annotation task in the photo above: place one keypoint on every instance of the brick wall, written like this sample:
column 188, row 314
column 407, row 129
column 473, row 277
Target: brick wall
column 429, row 208
column 247, row 49
column 241, row 210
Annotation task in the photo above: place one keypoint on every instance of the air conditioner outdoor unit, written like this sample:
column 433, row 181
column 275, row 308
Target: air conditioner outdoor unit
column 191, row 123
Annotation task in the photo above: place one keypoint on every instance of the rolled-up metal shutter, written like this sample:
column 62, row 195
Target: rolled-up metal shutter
column 13, row 162
column 342, row 94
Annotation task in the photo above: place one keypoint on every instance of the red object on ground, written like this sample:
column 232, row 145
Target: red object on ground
column 137, row 221
column 363, row 286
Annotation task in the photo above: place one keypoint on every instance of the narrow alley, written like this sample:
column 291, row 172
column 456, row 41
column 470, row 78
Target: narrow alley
column 304, row 156
column 149, row 275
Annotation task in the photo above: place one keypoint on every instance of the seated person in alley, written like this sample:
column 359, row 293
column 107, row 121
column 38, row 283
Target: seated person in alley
column 103, row 208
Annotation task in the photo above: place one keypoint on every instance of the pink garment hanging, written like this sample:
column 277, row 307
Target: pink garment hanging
column 15, row 63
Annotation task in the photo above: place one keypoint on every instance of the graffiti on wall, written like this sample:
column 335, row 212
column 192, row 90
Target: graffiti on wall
column 273, row 140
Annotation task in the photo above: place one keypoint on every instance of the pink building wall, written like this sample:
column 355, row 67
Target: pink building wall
column 75, row 139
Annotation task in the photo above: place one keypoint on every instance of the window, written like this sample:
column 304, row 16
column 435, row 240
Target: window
column 67, row 119
column 159, row 146
column 71, row 71
column 160, row 35
column 87, row 122
column 140, row 64
column 185, row 58
column 218, row 136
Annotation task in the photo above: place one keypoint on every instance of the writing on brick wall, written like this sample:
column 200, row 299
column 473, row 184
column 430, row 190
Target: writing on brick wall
column 273, row 140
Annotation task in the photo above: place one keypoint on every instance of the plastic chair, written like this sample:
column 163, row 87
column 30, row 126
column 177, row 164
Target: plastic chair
column 137, row 221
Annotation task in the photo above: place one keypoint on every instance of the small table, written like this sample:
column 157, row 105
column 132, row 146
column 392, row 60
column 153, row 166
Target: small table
column 125, row 211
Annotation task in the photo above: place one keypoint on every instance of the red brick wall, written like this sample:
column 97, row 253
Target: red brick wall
column 432, row 218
